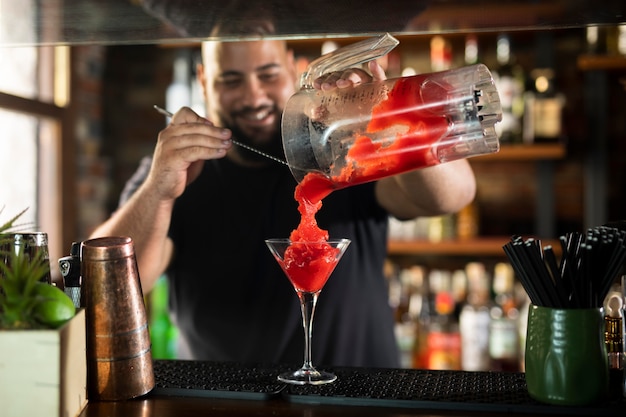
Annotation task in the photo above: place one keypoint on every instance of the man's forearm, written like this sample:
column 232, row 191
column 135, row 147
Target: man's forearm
column 146, row 221
column 444, row 188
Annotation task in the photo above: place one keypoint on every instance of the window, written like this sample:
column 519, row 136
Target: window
column 33, row 96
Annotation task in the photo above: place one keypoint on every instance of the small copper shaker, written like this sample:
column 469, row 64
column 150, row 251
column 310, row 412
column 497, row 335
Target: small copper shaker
column 119, row 361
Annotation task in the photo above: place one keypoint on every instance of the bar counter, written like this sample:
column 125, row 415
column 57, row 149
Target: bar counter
column 158, row 406
column 192, row 388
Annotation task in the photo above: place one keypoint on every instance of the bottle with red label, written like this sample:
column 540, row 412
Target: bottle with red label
column 443, row 342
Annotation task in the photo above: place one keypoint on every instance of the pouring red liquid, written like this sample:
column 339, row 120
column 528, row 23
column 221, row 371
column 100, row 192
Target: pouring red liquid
column 309, row 264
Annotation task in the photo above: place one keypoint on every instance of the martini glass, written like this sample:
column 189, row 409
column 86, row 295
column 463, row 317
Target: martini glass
column 308, row 266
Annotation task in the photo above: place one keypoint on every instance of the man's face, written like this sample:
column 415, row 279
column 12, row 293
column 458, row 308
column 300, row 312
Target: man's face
column 246, row 86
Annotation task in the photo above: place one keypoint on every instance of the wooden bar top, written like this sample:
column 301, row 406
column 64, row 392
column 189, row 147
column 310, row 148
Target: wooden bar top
column 159, row 406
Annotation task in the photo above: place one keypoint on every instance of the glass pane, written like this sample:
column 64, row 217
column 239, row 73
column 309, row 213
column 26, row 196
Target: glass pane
column 29, row 180
column 152, row 21
column 18, row 72
column 18, row 167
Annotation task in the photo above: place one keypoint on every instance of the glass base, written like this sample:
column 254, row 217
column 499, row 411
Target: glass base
column 307, row 376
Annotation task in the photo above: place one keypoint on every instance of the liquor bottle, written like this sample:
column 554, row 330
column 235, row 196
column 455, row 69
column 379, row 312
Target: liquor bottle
column 544, row 108
column 509, row 81
column 178, row 92
column 474, row 320
column 613, row 339
column 522, row 323
column 421, row 309
column 407, row 312
column 440, row 54
column 504, row 342
column 467, row 221
column 163, row 333
column 544, row 103
column 443, row 342
column 471, row 49
column 459, row 288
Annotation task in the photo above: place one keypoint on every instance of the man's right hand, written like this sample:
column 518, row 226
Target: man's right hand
column 181, row 150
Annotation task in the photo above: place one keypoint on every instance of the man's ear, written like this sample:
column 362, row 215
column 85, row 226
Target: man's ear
column 200, row 77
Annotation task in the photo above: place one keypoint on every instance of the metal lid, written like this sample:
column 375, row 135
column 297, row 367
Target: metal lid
column 107, row 248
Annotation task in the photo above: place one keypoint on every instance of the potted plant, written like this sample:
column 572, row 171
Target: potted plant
column 42, row 337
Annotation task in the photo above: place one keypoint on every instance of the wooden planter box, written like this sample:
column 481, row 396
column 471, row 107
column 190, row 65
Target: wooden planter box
column 44, row 372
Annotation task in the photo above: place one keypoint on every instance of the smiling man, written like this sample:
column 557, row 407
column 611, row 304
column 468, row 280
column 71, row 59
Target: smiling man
column 246, row 89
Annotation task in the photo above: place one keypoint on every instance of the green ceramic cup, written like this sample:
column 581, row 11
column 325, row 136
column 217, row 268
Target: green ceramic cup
column 566, row 360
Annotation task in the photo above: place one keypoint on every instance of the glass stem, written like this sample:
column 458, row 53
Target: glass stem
column 308, row 300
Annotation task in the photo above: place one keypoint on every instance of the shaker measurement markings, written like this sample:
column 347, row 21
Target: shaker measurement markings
column 273, row 158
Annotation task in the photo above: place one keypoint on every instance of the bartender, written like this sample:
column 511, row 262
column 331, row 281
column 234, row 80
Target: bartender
column 199, row 210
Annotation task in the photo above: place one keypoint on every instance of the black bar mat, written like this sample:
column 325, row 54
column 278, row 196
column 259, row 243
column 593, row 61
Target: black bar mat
column 399, row 388
column 438, row 390
column 215, row 380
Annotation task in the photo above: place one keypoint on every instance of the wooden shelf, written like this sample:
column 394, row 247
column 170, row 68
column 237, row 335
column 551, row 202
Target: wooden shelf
column 543, row 151
column 601, row 62
column 482, row 246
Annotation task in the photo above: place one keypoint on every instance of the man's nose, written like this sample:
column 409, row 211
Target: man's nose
column 253, row 92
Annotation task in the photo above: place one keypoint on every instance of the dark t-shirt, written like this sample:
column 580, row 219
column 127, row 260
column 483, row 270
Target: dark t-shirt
column 232, row 302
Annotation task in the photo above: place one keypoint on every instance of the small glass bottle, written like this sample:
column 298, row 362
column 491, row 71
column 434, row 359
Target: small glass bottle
column 613, row 339
column 504, row 343
column 475, row 319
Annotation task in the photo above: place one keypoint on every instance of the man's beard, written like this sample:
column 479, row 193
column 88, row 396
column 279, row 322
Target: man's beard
column 273, row 146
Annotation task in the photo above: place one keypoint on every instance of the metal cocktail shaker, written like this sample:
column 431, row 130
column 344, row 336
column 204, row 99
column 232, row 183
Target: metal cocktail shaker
column 119, row 360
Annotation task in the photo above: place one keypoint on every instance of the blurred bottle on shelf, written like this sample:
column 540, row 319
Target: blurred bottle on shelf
column 440, row 54
column 543, row 100
column 509, row 80
column 459, row 291
column 443, row 340
column 163, row 333
column 178, row 92
column 504, row 344
column 614, row 339
column 616, row 39
column 544, row 108
column 459, row 319
column 441, row 228
column 421, row 306
column 405, row 299
column 474, row 320
column 471, row 49
column 467, row 221
column 523, row 303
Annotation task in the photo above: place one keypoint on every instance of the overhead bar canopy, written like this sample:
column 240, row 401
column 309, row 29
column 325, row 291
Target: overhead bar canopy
column 74, row 22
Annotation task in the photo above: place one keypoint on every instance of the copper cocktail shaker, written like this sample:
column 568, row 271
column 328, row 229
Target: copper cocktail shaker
column 119, row 361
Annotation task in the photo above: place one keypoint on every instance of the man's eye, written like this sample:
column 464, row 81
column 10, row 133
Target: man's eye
column 230, row 82
column 268, row 77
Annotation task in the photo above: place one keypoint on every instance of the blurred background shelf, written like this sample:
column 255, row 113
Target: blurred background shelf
column 601, row 62
column 477, row 247
column 547, row 151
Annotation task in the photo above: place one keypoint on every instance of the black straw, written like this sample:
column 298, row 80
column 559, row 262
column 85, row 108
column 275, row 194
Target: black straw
column 589, row 264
